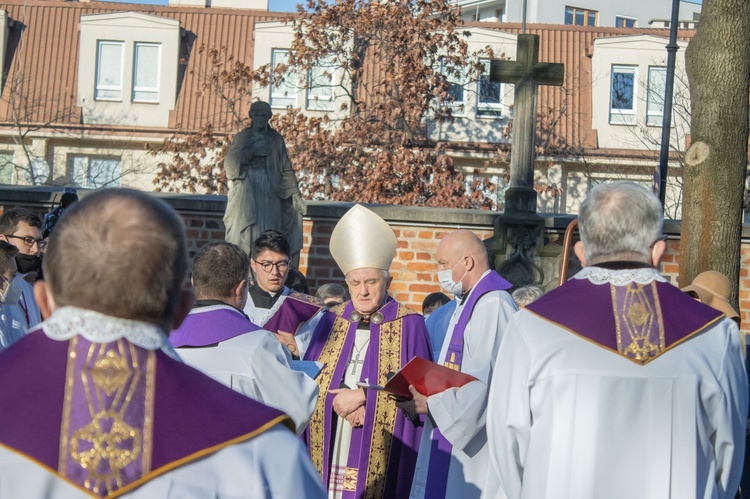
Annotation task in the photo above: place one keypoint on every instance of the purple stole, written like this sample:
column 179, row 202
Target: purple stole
column 297, row 309
column 109, row 417
column 440, row 450
column 383, row 453
column 638, row 321
column 210, row 325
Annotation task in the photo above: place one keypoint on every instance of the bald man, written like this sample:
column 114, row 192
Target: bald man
column 453, row 455
column 96, row 402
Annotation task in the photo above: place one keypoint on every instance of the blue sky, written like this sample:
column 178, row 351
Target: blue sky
column 273, row 5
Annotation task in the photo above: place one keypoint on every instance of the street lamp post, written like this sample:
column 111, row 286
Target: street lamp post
column 666, row 123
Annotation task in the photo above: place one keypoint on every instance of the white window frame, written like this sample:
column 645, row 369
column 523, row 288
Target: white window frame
column 158, row 73
column 282, row 93
column 108, row 88
column 653, row 118
column 626, row 18
column 488, row 110
column 320, row 102
column 85, row 180
column 623, row 116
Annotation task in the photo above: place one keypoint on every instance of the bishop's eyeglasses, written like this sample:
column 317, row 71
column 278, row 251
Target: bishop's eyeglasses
column 268, row 266
column 30, row 241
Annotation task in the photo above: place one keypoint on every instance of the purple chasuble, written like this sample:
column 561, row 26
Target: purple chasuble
column 440, row 449
column 108, row 417
column 383, row 453
column 210, row 325
column 637, row 321
column 297, row 309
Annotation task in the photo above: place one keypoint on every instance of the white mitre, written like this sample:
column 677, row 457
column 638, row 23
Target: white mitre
column 362, row 239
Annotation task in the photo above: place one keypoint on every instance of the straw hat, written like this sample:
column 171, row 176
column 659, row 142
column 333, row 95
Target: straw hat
column 713, row 289
column 361, row 239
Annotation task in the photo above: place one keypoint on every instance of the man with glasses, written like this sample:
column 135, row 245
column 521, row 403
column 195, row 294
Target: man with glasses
column 22, row 229
column 361, row 443
column 617, row 384
column 290, row 316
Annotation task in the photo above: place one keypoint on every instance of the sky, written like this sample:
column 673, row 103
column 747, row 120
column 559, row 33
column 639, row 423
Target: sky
column 273, row 5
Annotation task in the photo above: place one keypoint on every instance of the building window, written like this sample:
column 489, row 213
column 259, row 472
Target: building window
column 456, row 91
column 625, row 22
column 7, row 168
column 622, row 95
column 657, row 83
column 283, row 89
column 581, row 17
column 94, row 172
column 489, row 98
column 109, row 71
column 146, row 69
column 320, row 87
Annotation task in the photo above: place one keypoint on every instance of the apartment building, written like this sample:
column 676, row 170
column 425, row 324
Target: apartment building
column 89, row 87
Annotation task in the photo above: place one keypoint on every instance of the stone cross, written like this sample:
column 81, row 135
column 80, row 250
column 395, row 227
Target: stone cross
column 526, row 72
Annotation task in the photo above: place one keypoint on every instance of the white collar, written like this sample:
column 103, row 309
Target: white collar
column 67, row 322
column 621, row 277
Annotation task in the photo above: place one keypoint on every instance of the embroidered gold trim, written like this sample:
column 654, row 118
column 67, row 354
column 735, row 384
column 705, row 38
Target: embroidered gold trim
column 638, row 321
column 384, row 424
column 350, row 479
column 329, row 356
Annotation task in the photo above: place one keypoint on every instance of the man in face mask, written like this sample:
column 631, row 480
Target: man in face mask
column 22, row 229
column 453, row 455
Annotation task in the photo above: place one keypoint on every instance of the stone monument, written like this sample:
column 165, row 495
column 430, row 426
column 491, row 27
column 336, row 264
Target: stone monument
column 263, row 190
column 519, row 226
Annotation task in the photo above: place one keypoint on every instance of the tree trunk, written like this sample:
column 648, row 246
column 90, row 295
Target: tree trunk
column 718, row 69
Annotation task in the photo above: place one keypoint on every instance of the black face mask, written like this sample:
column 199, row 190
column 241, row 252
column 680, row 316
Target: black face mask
column 28, row 263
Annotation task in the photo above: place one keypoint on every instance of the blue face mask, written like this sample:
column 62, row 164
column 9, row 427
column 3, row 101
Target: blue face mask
column 446, row 280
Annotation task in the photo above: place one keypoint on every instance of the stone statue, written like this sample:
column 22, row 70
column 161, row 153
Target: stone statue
column 263, row 190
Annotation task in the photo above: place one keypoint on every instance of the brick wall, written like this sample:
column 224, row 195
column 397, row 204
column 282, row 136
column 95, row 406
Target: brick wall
column 418, row 230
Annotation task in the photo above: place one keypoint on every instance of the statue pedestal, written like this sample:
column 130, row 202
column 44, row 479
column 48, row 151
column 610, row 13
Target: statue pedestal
column 523, row 230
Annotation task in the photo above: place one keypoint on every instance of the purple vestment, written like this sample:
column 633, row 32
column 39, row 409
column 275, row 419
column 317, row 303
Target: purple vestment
column 296, row 309
column 638, row 321
column 108, row 417
column 383, row 452
column 210, row 325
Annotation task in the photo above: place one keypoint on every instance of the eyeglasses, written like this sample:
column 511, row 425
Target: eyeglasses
column 30, row 241
column 268, row 266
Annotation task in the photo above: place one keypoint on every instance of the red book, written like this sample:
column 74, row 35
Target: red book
column 427, row 377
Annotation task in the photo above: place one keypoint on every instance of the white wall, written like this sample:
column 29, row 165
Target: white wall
column 639, row 52
column 128, row 27
column 553, row 11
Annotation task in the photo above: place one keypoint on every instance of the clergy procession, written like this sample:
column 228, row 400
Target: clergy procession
column 128, row 371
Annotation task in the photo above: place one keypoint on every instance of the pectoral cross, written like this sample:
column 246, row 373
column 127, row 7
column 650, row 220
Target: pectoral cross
column 354, row 362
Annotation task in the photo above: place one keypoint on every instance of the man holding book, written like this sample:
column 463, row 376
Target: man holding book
column 453, row 455
column 357, row 438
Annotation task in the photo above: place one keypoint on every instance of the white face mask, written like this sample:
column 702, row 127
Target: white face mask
column 11, row 294
column 446, row 280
